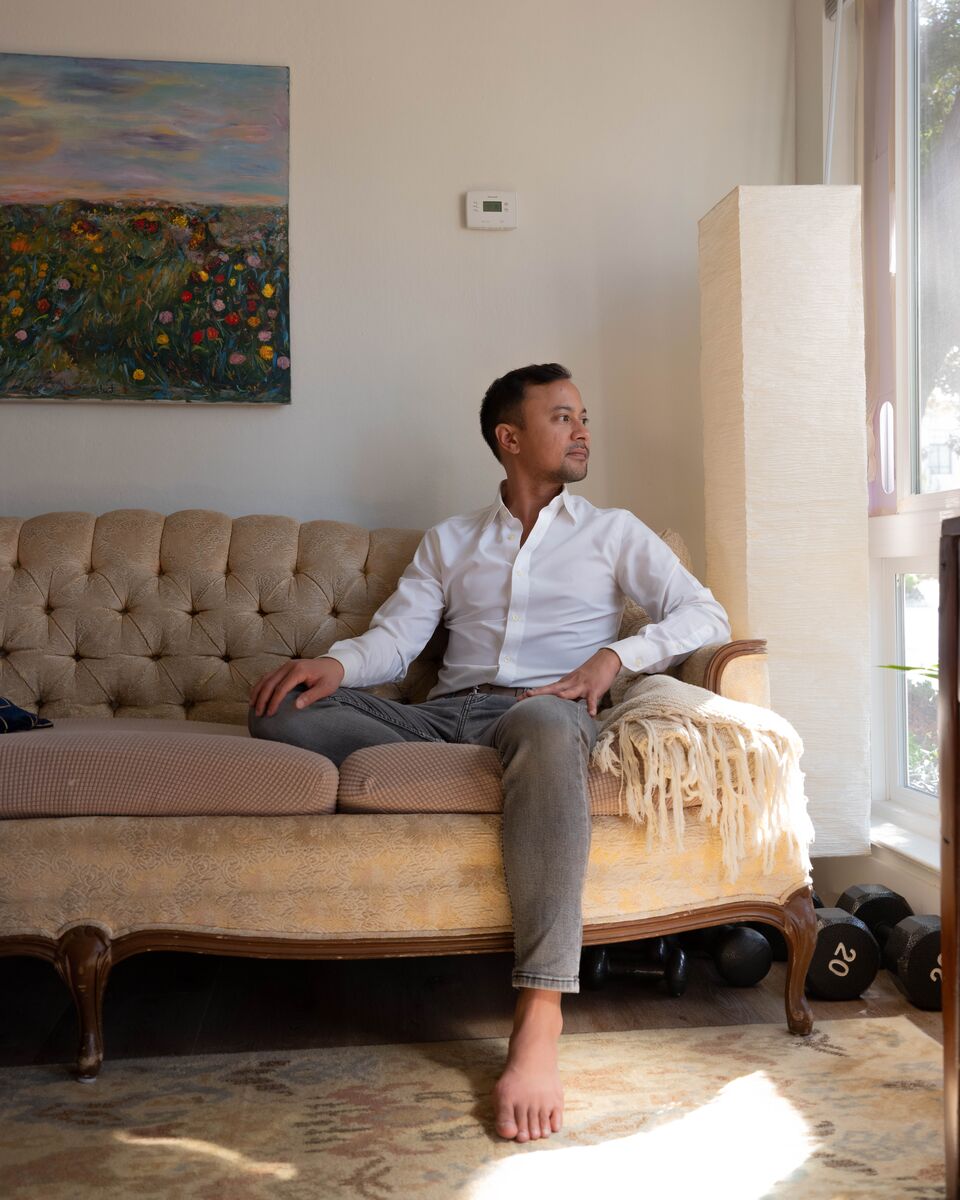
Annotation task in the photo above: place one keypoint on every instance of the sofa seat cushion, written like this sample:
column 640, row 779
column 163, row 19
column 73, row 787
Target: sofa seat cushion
column 422, row 777
column 143, row 767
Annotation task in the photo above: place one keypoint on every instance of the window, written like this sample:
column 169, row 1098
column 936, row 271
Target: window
column 904, row 545
column 917, row 607
column 939, row 459
column 933, row 149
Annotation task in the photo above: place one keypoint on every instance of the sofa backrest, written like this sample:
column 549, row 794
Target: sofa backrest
column 137, row 614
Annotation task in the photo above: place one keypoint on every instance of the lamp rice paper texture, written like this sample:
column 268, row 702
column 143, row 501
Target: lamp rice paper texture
column 784, row 431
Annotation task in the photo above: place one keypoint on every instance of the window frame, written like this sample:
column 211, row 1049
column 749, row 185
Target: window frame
column 907, row 425
column 895, row 685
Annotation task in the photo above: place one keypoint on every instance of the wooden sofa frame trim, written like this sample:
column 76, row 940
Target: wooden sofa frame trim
column 724, row 655
column 85, row 953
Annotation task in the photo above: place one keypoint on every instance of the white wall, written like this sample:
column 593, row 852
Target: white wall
column 619, row 122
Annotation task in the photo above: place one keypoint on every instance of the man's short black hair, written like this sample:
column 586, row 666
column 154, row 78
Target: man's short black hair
column 504, row 398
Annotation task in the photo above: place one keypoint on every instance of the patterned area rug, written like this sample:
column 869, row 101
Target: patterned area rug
column 742, row 1112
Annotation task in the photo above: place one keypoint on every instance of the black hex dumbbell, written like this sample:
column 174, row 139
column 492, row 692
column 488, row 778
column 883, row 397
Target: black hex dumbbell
column 912, row 953
column 740, row 953
column 653, row 958
column 845, row 959
column 877, row 906
column 910, row 945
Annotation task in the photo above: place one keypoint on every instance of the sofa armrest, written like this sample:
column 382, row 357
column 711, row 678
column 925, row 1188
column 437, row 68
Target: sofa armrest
column 737, row 670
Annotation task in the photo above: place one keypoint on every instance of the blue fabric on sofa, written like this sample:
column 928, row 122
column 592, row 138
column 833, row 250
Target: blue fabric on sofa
column 14, row 719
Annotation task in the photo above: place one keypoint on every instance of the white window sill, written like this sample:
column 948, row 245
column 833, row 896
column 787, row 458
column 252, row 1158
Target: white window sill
column 913, row 836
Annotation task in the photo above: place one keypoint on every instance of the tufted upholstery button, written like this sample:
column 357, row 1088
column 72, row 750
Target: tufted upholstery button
column 76, row 656
column 47, row 609
column 334, row 612
column 123, row 611
column 156, row 657
column 227, row 657
column 3, row 653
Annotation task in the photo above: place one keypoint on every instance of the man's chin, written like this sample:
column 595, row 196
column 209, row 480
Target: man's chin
column 574, row 469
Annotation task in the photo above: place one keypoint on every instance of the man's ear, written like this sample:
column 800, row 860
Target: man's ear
column 507, row 439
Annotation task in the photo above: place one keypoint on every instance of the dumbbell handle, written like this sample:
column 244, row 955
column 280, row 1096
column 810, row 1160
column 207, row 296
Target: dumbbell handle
column 632, row 968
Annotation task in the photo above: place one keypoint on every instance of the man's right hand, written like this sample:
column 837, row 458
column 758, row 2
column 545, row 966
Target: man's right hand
column 322, row 675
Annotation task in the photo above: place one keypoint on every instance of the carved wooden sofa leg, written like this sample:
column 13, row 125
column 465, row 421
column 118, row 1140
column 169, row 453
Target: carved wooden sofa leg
column 84, row 958
column 800, row 930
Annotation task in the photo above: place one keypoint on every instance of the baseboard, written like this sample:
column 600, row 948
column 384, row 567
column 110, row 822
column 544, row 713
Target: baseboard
column 918, row 884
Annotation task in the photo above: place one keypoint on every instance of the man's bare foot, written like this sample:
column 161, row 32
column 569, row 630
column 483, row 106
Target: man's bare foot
column 528, row 1097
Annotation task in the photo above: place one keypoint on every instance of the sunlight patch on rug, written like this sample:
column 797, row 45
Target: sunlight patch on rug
column 197, row 1146
column 748, row 1121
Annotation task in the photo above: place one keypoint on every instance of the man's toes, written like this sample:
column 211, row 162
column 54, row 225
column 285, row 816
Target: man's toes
column 533, row 1122
column 556, row 1120
column 544, row 1123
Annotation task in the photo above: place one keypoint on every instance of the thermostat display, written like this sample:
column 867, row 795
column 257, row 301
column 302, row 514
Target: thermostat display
column 491, row 210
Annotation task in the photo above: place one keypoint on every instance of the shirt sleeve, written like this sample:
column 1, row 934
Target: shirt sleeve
column 401, row 626
column 684, row 614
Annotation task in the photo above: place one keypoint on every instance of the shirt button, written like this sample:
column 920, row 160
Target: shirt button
column 506, row 658
column 516, row 618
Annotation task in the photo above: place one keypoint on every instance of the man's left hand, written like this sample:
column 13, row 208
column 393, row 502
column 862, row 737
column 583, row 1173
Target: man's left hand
column 592, row 680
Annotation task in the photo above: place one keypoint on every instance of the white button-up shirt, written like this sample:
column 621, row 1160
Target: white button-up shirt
column 525, row 616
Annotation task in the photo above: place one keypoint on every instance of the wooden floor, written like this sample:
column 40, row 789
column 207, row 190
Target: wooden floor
column 178, row 1004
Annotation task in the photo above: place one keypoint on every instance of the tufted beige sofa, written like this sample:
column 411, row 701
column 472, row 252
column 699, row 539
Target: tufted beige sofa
column 147, row 818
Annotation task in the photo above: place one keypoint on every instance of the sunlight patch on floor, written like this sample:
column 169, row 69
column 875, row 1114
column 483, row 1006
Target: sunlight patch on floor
column 733, row 1148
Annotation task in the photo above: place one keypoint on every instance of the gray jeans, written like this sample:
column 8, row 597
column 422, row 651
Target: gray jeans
column 544, row 744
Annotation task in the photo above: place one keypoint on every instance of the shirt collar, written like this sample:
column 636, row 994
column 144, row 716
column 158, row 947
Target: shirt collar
column 498, row 508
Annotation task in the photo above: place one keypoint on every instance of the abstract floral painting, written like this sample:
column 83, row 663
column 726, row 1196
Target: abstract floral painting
column 143, row 230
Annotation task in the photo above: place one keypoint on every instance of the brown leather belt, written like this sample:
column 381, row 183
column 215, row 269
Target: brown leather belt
column 499, row 688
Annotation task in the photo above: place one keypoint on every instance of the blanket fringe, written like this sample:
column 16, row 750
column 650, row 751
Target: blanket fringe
column 746, row 781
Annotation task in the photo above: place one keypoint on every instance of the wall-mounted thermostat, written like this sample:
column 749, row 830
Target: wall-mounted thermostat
column 491, row 210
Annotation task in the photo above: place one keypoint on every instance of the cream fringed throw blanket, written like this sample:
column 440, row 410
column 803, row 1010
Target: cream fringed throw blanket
column 673, row 742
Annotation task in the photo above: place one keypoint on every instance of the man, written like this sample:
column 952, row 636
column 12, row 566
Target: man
column 531, row 590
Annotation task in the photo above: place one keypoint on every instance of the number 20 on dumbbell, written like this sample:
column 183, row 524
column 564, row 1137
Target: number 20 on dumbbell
column 846, row 959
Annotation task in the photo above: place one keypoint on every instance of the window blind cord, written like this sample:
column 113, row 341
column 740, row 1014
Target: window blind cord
column 840, row 5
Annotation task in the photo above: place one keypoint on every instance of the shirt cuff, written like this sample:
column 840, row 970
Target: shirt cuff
column 352, row 664
column 626, row 650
